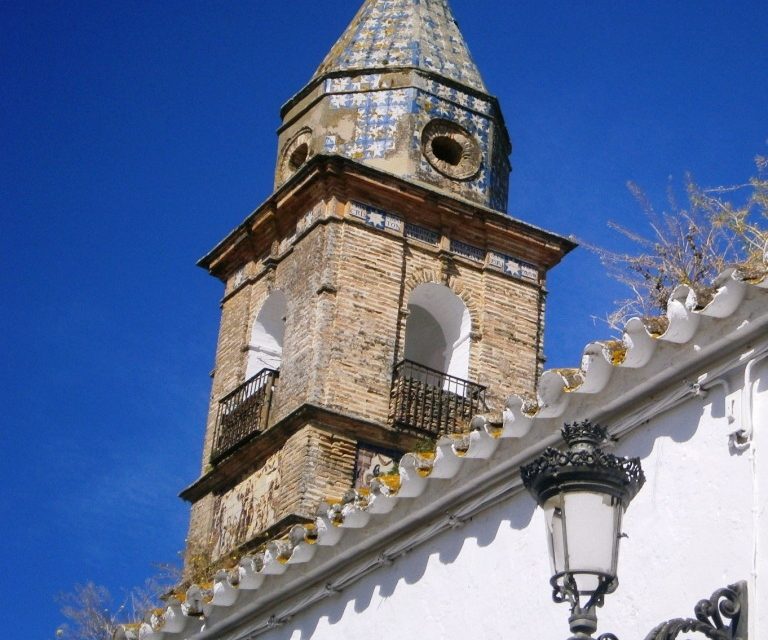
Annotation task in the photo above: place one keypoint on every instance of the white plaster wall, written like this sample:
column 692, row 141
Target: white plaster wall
column 759, row 604
column 693, row 528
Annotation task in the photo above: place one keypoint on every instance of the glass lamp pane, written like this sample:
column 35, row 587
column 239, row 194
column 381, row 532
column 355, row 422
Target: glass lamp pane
column 586, row 583
column 591, row 522
column 553, row 516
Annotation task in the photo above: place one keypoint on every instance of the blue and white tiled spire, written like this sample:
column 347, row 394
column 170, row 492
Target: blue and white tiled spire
column 400, row 92
column 421, row 34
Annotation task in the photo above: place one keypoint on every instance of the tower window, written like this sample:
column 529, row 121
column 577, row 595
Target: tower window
column 447, row 150
column 265, row 349
column 451, row 149
column 298, row 157
column 294, row 154
column 437, row 330
column 430, row 389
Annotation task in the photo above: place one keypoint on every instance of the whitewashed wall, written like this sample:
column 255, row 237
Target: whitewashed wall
column 693, row 528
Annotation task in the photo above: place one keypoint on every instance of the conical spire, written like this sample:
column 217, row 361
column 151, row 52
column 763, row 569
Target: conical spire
column 420, row 34
column 399, row 92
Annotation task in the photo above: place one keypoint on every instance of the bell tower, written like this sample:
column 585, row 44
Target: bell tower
column 381, row 296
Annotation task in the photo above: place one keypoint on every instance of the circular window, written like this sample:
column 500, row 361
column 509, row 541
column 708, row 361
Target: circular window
column 451, row 149
column 298, row 157
column 295, row 153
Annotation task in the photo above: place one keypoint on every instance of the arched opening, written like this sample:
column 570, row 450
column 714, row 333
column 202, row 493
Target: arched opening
column 430, row 390
column 298, row 156
column 437, row 330
column 244, row 411
column 265, row 348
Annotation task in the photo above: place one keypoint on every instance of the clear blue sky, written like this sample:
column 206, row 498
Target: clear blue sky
column 134, row 135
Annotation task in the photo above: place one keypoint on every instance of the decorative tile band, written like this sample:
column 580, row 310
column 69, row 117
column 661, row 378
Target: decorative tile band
column 365, row 82
column 513, row 267
column 237, row 278
column 379, row 219
column 457, row 96
column 309, row 217
column 376, row 218
column 304, row 223
column 468, row 251
column 421, row 233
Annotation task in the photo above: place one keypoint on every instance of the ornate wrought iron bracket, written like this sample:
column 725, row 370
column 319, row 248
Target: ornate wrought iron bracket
column 721, row 617
column 729, row 603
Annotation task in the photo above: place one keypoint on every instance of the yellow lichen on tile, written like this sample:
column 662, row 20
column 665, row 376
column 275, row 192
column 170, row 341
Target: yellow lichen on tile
column 573, row 379
column 391, row 480
column 310, row 533
column 617, row 351
column 495, row 430
column 656, row 326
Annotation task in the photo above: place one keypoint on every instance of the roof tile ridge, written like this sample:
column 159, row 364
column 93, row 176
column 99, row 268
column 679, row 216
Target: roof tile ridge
column 633, row 350
column 185, row 613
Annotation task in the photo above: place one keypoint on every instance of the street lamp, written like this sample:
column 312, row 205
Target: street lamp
column 584, row 492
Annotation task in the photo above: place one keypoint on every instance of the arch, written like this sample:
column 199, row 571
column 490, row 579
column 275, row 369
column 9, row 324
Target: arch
column 455, row 284
column 265, row 347
column 294, row 154
column 437, row 331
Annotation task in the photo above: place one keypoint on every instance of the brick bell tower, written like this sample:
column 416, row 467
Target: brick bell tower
column 380, row 297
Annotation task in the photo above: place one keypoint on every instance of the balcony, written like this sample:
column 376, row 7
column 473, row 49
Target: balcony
column 433, row 403
column 243, row 413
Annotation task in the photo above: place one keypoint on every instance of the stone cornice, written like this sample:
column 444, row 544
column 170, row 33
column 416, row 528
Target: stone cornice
column 233, row 467
column 325, row 177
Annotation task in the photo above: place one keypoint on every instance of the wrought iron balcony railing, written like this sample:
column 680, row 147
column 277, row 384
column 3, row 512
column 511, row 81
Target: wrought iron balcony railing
column 243, row 412
column 432, row 402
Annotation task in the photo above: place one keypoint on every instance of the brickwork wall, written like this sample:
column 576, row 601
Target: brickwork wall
column 347, row 288
column 312, row 465
column 229, row 364
column 328, row 470
column 375, row 278
column 508, row 351
column 228, row 371
column 362, row 340
column 298, row 276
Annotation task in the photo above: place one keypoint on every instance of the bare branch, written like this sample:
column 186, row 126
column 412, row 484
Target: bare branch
column 689, row 244
column 91, row 614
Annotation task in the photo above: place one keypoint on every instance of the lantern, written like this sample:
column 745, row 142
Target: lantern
column 584, row 492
